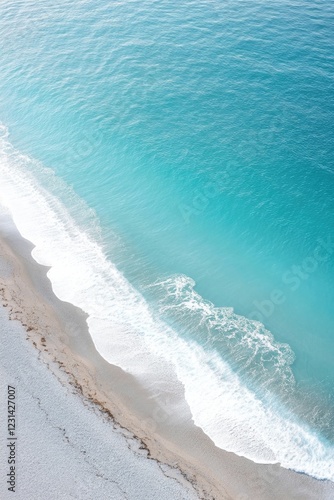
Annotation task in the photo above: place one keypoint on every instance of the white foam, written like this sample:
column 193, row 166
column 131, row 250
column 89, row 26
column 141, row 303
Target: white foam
column 252, row 347
column 127, row 334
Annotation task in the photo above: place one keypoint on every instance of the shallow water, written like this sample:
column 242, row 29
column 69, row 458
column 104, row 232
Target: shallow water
column 174, row 164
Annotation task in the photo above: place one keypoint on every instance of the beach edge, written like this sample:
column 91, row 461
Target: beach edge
column 60, row 333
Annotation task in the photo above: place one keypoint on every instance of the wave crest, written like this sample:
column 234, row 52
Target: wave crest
column 127, row 331
column 246, row 344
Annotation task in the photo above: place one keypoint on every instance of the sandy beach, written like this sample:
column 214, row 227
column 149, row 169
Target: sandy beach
column 52, row 347
column 61, row 435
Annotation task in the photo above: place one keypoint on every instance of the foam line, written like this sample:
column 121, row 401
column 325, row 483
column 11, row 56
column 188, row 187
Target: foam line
column 120, row 318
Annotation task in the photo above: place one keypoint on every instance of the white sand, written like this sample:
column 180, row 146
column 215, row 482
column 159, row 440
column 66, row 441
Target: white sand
column 60, row 418
column 66, row 449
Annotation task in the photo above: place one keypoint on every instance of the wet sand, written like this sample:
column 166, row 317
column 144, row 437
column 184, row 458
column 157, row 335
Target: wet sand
column 59, row 333
column 65, row 448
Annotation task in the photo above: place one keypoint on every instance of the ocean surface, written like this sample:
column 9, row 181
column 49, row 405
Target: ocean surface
column 173, row 164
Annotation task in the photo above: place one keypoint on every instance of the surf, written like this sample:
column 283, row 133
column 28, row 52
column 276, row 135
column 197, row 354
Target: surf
column 134, row 334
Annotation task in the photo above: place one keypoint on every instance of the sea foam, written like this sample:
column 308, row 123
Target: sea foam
column 129, row 333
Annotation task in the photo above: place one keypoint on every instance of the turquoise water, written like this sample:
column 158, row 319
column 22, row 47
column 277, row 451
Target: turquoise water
column 192, row 144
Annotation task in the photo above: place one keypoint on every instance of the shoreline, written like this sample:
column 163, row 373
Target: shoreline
column 60, row 434
column 60, row 333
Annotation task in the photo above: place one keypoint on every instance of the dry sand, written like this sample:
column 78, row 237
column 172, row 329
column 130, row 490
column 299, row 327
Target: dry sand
column 59, row 332
column 65, row 448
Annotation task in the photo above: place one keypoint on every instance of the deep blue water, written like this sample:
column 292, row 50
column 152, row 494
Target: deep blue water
column 197, row 140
